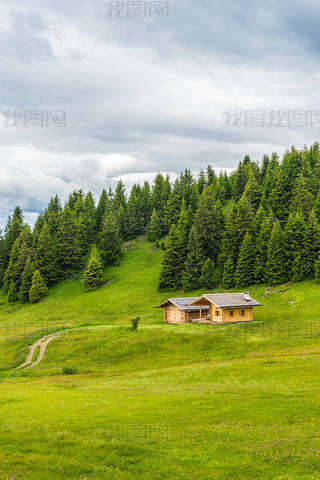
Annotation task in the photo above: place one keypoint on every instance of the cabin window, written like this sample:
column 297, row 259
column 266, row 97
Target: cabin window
column 242, row 313
column 231, row 313
column 217, row 313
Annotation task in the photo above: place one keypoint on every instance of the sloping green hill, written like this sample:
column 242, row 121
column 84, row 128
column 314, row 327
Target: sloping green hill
column 166, row 401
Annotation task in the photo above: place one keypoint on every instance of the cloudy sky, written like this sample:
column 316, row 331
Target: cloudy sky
column 143, row 95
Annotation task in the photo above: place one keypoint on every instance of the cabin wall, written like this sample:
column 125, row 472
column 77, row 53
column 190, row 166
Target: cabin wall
column 172, row 314
column 195, row 315
column 239, row 315
column 216, row 314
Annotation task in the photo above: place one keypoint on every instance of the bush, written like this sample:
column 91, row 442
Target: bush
column 135, row 323
column 69, row 370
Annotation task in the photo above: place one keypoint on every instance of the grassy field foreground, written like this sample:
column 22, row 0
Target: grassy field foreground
column 165, row 402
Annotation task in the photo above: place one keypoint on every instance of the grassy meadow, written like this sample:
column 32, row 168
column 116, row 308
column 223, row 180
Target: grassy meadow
column 166, row 401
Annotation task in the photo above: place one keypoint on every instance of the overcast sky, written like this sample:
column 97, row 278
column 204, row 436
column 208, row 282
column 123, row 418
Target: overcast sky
column 143, row 95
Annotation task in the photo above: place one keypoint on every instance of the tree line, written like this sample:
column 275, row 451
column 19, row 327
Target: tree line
column 259, row 224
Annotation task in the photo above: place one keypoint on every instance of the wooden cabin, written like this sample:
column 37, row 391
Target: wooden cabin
column 227, row 307
column 179, row 310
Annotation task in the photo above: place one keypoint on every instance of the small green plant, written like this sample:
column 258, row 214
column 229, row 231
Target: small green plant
column 135, row 323
column 69, row 370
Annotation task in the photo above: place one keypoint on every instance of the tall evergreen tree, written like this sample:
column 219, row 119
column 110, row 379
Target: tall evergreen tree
column 278, row 270
column 154, row 228
column 173, row 262
column 45, row 256
column 68, row 249
column 244, row 274
column 26, row 281
column 109, row 239
column 38, row 289
column 311, row 247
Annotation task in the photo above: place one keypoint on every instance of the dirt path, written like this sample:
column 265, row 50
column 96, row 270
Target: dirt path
column 42, row 342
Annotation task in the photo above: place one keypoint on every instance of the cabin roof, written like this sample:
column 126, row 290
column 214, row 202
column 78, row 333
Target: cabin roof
column 226, row 300
column 183, row 303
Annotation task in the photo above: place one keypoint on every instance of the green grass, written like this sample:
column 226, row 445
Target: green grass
column 35, row 354
column 165, row 401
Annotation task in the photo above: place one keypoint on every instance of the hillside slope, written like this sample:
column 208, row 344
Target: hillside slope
column 167, row 401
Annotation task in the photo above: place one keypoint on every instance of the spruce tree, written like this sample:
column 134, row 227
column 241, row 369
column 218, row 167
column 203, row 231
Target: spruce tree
column 209, row 275
column 229, row 269
column 13, row 295
column 38, row 289
column 154, row 232
column 302, row 199
column 191, row 277
column 260, row 268
column 245, row 274
column 26, row 281
column 295, row 231
column 277, row 268
column 100, row 210
column 173, row 262
column 252, row 192
column 317, row 270
column 93, row 276
column 45, row 256
column 311, row 247
column 109, row 239
column 68, row 249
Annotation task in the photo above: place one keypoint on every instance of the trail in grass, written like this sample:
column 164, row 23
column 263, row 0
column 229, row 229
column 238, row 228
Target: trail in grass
column 43, row 343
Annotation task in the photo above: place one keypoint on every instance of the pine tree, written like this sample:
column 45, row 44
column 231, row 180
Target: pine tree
column 86, row 224
column 13, row 295
column 26, row 281
column 278, row 270
column 173, row 262
column 295, row 231
column 120, row 198
column 244, row 274
column 311, row 247
column 68, row 249
column 93, row 276
column 229, row 269
column 252, row 192
column 201, row 181
column 101, row 208
column 45, row 256
column 260, row 268
column 209, row 275
column 109, row 239
column 209, row 222
column 317, row 270
column 154, row 228
column 302, row 198
column 38, row 289
column 191, row 277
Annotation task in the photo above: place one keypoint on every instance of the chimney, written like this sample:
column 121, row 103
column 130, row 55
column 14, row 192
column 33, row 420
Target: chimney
column 246, row 296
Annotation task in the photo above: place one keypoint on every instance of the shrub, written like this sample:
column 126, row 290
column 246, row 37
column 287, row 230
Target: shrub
column 69, row 370
column 135, row 323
